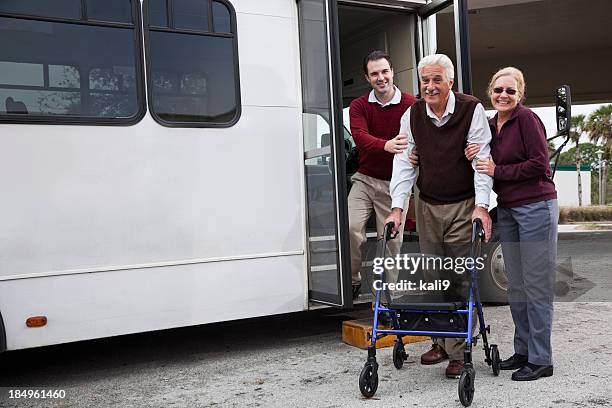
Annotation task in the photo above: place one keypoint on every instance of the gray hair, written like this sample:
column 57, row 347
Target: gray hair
column 438, row 59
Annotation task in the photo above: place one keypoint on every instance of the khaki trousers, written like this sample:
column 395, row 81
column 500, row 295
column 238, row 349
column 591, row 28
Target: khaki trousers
column 445, row 230
column 369, row 194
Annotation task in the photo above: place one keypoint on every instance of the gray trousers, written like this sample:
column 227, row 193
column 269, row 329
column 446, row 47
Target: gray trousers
column 529, row 243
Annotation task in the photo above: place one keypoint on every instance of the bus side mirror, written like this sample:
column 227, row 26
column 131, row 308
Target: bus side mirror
column 563, row 109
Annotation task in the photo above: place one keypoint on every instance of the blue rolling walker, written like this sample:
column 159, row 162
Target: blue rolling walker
column 431, row 319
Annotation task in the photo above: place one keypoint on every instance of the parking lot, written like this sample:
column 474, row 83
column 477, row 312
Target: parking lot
column 299, row 360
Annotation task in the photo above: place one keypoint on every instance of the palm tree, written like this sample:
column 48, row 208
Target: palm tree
column 578, row 125
column 599, row 128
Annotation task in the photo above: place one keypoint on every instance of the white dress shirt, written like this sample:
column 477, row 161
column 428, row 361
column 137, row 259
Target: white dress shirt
column 404, row 174
column 397, row 98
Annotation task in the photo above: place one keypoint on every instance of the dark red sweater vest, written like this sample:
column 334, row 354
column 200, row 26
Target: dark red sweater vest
column 445, row 175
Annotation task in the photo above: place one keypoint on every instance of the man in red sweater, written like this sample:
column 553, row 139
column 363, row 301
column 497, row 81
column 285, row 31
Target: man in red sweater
column 375, row 123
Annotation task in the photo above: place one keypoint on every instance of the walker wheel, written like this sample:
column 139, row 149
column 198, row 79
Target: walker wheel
column 368, row 380
column 399, row 354
column 466, row 386
column 495, row 359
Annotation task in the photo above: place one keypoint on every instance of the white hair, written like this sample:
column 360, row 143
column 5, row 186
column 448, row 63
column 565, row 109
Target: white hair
column 438, row 59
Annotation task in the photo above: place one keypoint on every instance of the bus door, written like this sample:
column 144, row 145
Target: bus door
column 329, row 276
column 327, row 226
column 443, row 29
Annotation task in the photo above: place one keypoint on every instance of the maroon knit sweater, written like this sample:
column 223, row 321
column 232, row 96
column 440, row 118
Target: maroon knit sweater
column 371, row 126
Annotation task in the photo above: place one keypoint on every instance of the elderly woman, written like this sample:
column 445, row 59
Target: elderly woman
column 527, row 217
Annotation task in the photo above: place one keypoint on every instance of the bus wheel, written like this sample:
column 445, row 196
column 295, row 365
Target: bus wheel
column 493, row 282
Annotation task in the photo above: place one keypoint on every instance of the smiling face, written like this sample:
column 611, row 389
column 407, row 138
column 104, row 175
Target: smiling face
column 503, row 102
column 380, row 77
column 435, row 85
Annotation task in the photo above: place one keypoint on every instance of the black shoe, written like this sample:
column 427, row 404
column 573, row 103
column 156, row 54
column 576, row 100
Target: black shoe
column 513, row 363
column 532, row 372
column 356, row 289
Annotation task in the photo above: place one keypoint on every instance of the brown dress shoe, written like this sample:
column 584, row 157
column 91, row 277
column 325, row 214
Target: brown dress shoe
column 434, row 356
column 453, row 370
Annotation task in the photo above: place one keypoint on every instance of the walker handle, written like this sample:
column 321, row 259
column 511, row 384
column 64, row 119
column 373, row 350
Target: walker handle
column 388, row 232
column 477, row 230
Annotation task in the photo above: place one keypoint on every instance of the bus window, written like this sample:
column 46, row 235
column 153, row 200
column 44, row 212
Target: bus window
column 193, row 70
column 21, row 73
column 70, row 69
column 64, row 76
column 118, row 11
column 221, row 18
column 191, row 15
column 55, row 8
column 158, row 15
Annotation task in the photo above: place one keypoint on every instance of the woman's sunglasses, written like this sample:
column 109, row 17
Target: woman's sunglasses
column 509, row 91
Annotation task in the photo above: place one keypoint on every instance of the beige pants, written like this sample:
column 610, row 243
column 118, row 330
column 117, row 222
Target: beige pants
column 445, row 230
column 369, row 194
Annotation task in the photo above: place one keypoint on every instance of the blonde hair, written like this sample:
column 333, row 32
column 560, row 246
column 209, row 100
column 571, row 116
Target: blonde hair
column 514, row 73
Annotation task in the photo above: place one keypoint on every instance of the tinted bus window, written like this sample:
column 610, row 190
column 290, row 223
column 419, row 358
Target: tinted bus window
column 58, row 71
column 118, row 11
column 45, row 8
column 193, row 78
column 221, row 18
column 158, row 13
column 191, row 14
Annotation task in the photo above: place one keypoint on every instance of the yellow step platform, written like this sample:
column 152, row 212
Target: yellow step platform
column 356, row 333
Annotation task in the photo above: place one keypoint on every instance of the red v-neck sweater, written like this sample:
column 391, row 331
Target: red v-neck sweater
column 371, row 127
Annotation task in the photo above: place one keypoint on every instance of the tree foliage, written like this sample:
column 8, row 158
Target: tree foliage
column 588, row 155
column 599, row 127
column 578, row 124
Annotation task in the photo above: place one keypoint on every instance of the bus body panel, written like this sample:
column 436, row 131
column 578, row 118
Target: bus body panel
column 94, row 305
column 277, row 8
column 110, row 230
column 269, row 61
column 101, row 197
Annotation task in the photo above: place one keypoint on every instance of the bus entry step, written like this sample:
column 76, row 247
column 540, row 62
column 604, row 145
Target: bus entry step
column 357, row 333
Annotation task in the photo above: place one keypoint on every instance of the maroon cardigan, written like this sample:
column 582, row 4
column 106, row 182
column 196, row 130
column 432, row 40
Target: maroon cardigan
column 522, row 167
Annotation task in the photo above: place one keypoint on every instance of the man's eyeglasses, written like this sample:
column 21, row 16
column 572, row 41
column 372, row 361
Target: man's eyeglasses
column 509, row 91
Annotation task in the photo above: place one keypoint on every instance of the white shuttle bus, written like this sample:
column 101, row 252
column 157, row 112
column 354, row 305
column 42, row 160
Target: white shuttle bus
column 166, row 163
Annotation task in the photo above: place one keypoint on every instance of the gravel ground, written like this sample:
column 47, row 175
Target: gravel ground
column 300, row 361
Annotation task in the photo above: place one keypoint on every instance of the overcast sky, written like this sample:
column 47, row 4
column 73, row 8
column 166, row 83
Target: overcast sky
column 547, row 115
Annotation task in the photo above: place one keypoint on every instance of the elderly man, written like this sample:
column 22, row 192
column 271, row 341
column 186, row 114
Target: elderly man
column 451, row 193
column 375, row 119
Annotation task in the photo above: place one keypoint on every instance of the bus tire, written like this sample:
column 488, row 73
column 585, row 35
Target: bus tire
column 493, row 283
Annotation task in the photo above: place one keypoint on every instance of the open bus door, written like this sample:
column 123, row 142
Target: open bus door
column 327, row 222
column 329, row 275
column 428, row 41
